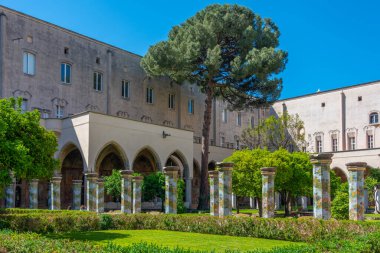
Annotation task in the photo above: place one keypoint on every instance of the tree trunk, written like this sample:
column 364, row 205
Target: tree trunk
column 260, row 207
column 288, row 204
column 204, row 187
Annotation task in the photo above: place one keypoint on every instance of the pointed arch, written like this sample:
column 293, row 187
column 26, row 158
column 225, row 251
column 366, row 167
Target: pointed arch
column 113, row 149
column 340, row 173
column 146, row 161
column 180, row 160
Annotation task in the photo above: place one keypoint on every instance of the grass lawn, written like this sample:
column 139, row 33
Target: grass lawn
column 171, row 239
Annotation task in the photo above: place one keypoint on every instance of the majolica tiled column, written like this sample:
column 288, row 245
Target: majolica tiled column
column 137, row 182
column 33, row 194
column 356, row 190
column 91, row 181
column 268, row 174
column 377, row 199
column 225, row 188
column 100, row 196
column 126, row 191
column 10, row 193
column 321, row 185
column 77, row 194
column 171, row 178
column 214, row 192
column 55, row 193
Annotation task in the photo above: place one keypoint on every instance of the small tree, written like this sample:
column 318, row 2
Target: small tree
column 154, row 187
column 26, row 148
column 335, row 183
column 285, row 131
column 112, row 185
column 293, row 175
column 340, row 204
column 230, row 52
column 180, row 197
column 246, row 175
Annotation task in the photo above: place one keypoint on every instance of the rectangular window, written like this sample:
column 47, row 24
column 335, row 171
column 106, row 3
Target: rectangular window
column 125, row 89
column 370, row 141
column 224, row 115
column 24, row 105
column 98, row 80
column 238, row 119
column 319, row 146
column 171, row 101
column 149, row 95
column 352, row 143
column 190, row 106
column 65, row 73
column 334, row 142
column 222, row 141
column 45, row 114
column 29, row 65
column 59, row 111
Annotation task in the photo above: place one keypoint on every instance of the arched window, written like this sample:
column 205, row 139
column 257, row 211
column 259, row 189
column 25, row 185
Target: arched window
column 374, row 118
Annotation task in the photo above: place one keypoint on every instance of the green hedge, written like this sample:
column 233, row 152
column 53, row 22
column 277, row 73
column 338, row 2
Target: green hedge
column 291, row 229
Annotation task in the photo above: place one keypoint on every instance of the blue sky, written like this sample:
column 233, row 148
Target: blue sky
column 331, row 43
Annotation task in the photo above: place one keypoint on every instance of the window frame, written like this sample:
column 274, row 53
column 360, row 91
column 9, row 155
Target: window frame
column 190, row 106
column 149, row 98
column 319, row 146
column 370, row 141
column 64, row 77
column 238, row 119
column 373, row 118
column 96, row 84
column 59, row 111
column 125, row 84
column 25, row 64
column 225, row 115
column 334, row 144
column 352, row 143
column 171, row 101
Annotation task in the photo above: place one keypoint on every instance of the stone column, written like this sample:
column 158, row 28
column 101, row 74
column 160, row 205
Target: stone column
column 188, row 192
column 33, row 194
column 126, row 191
column 55, row 193
column 377, row 199
column 91, row 181
column 356, row 189
column 137, row 182
column 304, row 203
column 234, row 202
column 321, row 185
column 171, row 178
column 252, row 202
column 77, row 194
column 225, row 188
column 10, row 193
column 277, row 202
column 268, row 174
column 100, row 196
column 214, row 192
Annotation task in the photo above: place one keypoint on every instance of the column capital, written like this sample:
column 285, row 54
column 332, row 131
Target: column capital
column 126, row 173
column 137, row 178
column 224, row 166
column 268, row 171
column 77, row 182
column 56, row 179
column 100, row 180
column 356, row 166
column 213, row 173
column 35, row 180
column 171, row 169
column 321, row 158
column 91, row 175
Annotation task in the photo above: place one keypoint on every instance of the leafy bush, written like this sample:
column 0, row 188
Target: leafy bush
column 153, row 186
column 340, row 204
column 303, row 229
column 112, row 184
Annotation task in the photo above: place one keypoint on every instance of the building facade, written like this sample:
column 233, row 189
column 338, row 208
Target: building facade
column 342, row 121
column 106, row 112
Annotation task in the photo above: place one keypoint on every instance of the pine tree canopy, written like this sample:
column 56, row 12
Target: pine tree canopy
column 226, row 48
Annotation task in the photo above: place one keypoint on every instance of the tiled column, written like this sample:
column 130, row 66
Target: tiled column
column 377, row 199
column 137, row 182
column 100, row 196
column 356, row 189
column 225, row 188
column 171, row 178
column 126, row 191
column 55, row 193
column 77, row 194
column 304, row 203
column 91, row 181
column 321, row 185
column 188, row 191
column 10, row 193
column 214, row 192
column 277, row 202
column 268, row 174
column 33, row 194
